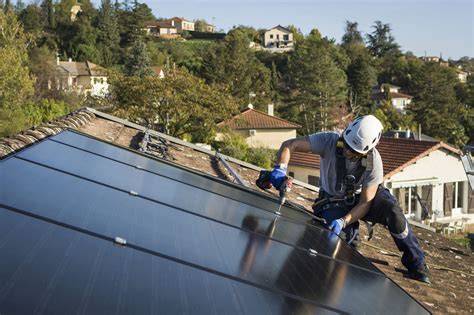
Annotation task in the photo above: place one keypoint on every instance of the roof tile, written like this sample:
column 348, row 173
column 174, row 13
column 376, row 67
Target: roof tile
column 254, row 119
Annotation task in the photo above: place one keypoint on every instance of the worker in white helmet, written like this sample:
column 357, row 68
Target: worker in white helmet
column 351, row 177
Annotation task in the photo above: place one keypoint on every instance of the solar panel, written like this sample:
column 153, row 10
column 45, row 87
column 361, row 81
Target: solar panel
column 63, row 204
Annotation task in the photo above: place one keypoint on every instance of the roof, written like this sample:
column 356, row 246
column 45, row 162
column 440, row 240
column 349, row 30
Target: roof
column 159, row 24
column 157, row 70
column 254, row 119
column 393, row 95
column 77, row 68
column 396, row 153
column 452, row 267
column 280, row 28
column 180, row 19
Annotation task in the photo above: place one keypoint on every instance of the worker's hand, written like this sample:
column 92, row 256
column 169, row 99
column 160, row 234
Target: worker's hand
column 337, row 225
column 278, row 176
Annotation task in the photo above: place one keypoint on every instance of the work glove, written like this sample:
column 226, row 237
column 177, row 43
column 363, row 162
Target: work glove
column 337, row 225
column 278, row 176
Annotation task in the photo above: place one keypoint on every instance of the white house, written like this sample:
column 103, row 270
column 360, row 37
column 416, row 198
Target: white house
column 82, row 77
column 399, row 100
column 181, row 24
column 278, row 39
column 433, row 170
column 462, row 75
column 158, row 71
column 259, row 129
column 160, row 28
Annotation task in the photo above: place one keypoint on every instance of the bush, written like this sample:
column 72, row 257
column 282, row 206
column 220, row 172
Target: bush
column 234, row 145
column 262, row 157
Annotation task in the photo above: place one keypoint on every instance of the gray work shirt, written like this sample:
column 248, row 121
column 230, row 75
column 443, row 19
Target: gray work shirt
column 324, row 144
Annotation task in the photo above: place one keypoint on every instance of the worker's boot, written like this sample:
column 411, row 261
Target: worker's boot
column 420, row 273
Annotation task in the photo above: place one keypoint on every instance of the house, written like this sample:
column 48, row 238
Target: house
column 160, row 28
column 260, row 129
column 158, row 71
column 399, row 100
column 75, row 9
column 442, row 63
column 462, row 75
column 83, row 78
column 433, row 170
column 278, row 39
column 91, row 246
column 181, row 24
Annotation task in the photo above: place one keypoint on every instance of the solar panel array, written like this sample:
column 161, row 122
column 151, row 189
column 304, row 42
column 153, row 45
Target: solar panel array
column 86, row 226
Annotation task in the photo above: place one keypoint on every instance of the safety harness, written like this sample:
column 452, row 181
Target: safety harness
column 345, row 183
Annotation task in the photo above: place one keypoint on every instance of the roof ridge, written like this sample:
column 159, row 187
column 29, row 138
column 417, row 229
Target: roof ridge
column 15, row 142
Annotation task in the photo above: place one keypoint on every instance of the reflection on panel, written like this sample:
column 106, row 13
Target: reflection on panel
column 52, row 269
column 125, row 156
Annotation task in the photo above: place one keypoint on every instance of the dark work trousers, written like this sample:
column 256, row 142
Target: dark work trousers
column 384, row 210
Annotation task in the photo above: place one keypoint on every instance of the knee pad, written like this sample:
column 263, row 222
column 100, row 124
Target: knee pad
column 395, row 220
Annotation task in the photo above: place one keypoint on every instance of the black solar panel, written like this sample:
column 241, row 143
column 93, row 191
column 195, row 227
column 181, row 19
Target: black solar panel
column 193, row 243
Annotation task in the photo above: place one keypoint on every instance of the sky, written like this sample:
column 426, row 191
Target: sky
column 433, row 27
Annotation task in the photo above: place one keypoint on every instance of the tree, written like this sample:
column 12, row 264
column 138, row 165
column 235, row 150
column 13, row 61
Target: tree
column 352, row 35
column 381, row 42
column 138, row 61
column 200, row 25
column 231, row 62
column 16, row 85
column 361, row 77
column 108, row 36
column 435, row 105
column 317, row 84
column 179, row 104
column 32, row 20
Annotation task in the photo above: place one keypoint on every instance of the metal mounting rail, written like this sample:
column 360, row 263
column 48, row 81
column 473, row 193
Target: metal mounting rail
column 236, row 175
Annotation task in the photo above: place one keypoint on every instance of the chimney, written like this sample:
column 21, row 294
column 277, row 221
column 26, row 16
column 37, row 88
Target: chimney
column 57, row 60
column 70, row 59
column 419, row 131
column 407, row 134
column 250, row 106
column 395, row 135
column 270, row 109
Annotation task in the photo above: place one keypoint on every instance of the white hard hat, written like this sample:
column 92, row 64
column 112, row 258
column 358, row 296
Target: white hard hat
column 363, row 133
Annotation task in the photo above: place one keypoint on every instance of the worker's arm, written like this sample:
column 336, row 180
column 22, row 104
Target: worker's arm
column 300, row 144
column 366, row 196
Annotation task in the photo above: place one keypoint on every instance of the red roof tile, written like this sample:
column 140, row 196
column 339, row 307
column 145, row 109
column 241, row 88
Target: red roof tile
column 254, row 119
column 396, row 154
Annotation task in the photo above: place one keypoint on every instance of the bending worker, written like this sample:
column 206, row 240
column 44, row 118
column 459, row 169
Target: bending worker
column 351, row 186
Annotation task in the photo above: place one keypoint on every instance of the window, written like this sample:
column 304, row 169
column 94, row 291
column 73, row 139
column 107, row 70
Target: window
column 292, row 174
column 313, row 180
column 460, row 194
column 271, row 36
column 286, row 37
column 278, row 36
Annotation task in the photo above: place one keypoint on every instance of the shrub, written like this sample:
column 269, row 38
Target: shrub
column 262, row 157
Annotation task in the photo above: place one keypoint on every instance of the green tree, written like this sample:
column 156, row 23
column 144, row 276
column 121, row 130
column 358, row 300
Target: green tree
column 435, row 105
column 352, row 34
column 381, row 41
column 361, row 77
column 180, row 104
column 200, row 25
column 16, row 85
column 47, row 9
column 317, row 84
column 138, row 61
column 108, row 35
column 32, row 20
column 231, row 62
